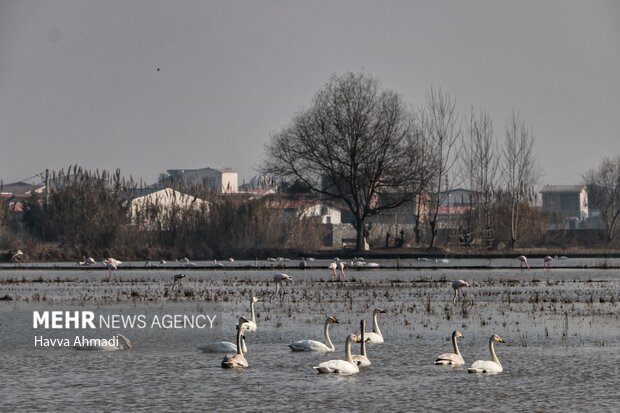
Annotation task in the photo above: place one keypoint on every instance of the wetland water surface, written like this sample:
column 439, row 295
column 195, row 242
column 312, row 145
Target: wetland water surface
column 561, row 327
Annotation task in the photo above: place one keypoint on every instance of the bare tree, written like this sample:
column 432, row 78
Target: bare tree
column 442, row 126
column 421, row 148
column 352, row 145
column 603, row 185
column 520, row 170
column 479, row 166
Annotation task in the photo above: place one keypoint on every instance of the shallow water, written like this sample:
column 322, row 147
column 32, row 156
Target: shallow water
column 562, row 330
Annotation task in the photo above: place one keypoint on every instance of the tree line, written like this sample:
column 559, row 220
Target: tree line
column 357, row 146
column 361, row 146
column 90, row 214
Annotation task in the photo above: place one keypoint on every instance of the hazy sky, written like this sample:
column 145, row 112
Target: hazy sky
column 79, row 80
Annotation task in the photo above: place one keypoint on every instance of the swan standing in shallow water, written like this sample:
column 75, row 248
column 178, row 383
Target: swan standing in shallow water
column 486, row 366
column 452, row 359
column 346, row 366
column 456, row 286
column 123, row 344
column 236, row 360
column 361, row 359
column 313, row 345
column 375, row 336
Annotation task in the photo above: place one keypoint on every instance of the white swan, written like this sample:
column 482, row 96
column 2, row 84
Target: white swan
column 346, row 366
column 313, row 345
column 486, row 366
column 375, row 336
column 236, row 360
column 251, row 324
column 123, row 343
column 223, row 347
column 361, row 359
column 452, row 359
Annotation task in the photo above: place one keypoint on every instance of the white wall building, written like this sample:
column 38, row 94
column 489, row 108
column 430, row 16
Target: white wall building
column 152, row 208
column 223, row 181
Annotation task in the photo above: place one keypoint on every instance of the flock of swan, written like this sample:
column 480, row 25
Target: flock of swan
column 351, row 364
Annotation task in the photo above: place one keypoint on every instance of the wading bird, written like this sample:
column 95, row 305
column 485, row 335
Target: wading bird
column 313, row 345
column 488, row 366
column 18, row 257
column 547, row 262
column 523, row 260
column 236, row 360
column 456, row 286
column 87, row 261
column 334, row 267
column 375, row 336
column 279, row 279
column 452, row 359
column 346, row 366
column 177, row 279
column 112, row 265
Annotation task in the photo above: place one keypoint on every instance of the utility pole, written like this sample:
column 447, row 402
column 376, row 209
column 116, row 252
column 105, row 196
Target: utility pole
column 47, row 186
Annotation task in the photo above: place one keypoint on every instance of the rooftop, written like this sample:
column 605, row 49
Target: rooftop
column 562, row 188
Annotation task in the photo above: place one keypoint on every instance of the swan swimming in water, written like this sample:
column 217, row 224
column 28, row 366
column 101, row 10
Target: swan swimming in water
column 361, row 359
column 313, row 345
column 452, row 359
column 488, row 366
column 346, row 366
column 223, row 347
column 123, row 344
column 251, row 324
column 375, row 336
column 236, row 360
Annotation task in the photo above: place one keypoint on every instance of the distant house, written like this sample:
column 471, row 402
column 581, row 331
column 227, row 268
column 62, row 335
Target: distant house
column 566, row 206
column 259, row 185
column 16, row 193
column 223, row 181
column 307, row 208
column 454, row 203
column 151, row 208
